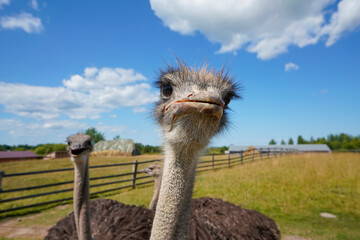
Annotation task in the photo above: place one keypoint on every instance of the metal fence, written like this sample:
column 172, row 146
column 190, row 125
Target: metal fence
column 132, row 179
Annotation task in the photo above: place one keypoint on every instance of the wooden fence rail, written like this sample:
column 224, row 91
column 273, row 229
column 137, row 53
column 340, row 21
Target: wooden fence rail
column 135, row 177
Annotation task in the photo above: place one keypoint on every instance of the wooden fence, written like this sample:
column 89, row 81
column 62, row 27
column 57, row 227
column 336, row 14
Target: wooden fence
column 123, row 180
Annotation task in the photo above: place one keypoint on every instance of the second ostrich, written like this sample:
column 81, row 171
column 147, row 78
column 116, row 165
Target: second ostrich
column 101, row 219
column 213, row 218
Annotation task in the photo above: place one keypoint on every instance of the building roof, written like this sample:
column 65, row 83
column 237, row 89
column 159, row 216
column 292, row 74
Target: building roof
column 18, row 154
column 298, row 147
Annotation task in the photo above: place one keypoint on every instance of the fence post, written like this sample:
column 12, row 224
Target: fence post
column 212, row 160
column 252, row 154
column 260, row 151
column 274, row 152
column 268, row 152
column 229, row 159
column 2, row 173
column 241, row 153
column 134, row 171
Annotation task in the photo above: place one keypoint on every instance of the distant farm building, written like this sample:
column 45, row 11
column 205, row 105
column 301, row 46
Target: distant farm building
column 57, row 154
column 12, row 156
column 303, row 148
column 121, row 147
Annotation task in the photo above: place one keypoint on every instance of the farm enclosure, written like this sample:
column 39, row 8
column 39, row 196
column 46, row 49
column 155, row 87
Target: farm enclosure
column 33, row 190
column 293, row 190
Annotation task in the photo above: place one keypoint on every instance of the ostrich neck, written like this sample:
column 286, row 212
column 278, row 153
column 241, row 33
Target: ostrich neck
column 173, row 210
column 81, row 199
column 155, row 197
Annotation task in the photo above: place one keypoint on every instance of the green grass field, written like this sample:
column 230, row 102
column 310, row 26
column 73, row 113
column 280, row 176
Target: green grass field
column 293, row 190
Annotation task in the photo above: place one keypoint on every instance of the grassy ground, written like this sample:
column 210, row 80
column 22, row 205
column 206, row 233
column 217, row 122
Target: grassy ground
column 292, row 190
column 49, row 178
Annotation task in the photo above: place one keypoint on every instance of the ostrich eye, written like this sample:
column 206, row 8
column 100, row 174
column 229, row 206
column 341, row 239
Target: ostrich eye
column 69, row 143
column 166, row 90
column 227, row 100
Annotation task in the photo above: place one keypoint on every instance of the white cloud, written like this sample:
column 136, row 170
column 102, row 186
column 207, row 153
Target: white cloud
column 25, row 21
column 323, row 91
column 291, row 66
column 37, row 132
column 266, row 28
column 95, row 78
column 19, row 128
column 4, row 2
column 64, row 125
column 100, row 93
column 34, row 4
column 347, row 18
column 111, row 128
column 139, row 110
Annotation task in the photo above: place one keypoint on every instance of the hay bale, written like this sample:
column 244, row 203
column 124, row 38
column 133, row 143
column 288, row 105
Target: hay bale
column 249, row 152
column 110, row 153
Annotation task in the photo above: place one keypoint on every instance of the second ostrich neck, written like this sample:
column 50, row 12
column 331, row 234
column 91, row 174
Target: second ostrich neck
column 81, row 197
column 172, row 216
column 155, row 198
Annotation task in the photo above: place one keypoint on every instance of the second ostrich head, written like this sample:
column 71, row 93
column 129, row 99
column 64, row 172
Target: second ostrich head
column 153, row 170
column 79, row 145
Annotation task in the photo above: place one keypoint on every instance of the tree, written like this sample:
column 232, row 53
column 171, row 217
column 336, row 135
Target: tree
column 147, row 149
column 291, row 141
column 95, row 135
column 117, row 137
column 283, row 142
column 44, row 149
column 272, row 142
column 300, row 140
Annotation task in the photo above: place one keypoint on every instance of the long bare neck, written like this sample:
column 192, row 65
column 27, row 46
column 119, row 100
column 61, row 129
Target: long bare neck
column 81, row 199
column 155, row 197
column 172, row 215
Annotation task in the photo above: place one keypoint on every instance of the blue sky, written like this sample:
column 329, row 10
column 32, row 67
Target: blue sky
column 66, row 66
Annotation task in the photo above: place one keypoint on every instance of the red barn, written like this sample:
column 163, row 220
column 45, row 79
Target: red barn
column 9, row 156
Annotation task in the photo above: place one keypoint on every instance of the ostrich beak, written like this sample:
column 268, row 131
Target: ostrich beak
column 144, row 170
column 77, row 148
column 208, row 105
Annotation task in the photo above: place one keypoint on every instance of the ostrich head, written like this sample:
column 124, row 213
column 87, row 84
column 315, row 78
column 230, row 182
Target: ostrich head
column 193, row 104
column 153, row 169
column 79, row 146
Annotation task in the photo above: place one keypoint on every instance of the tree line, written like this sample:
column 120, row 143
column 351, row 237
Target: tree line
column 41, row 149
column 340, row 141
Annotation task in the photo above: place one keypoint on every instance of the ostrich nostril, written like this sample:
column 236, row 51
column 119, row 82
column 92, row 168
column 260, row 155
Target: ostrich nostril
column 77, row 145
column 190, row 95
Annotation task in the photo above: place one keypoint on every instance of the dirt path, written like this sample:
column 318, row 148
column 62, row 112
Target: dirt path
column 11, row 229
